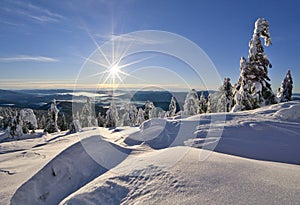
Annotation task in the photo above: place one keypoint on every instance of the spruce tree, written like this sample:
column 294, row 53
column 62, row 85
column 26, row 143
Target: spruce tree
column 101, row 120
column 112, row 116
column 202, row 103
column 149, row 111
column 191, row 103
column 63, row 123
column 285, row 91
column 172, row 108
column 140, row 117
column 87, row 115
column 253, row 89
column 51, row 122
column 226, row 97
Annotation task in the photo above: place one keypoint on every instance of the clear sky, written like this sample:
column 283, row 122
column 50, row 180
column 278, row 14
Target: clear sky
column 45, row 43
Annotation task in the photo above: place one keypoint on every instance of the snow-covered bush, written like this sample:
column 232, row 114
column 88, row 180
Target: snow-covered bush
column 285, row 91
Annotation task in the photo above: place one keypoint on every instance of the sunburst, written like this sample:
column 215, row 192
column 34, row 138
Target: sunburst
column 112, row 68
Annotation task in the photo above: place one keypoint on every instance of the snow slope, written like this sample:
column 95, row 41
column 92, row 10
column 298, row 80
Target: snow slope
column 161, row 163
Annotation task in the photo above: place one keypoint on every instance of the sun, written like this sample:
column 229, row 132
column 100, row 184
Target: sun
column 114, row 69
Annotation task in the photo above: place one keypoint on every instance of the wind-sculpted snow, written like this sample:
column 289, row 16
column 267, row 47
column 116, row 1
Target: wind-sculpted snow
column 253, row 134
column 155, row 164
column 66, row 173
column 290, row 113
column 129, row 188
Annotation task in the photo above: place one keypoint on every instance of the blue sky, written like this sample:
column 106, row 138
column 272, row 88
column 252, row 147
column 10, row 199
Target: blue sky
column 44, row 43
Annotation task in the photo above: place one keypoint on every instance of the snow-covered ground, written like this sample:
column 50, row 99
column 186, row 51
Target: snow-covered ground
column 250, row 157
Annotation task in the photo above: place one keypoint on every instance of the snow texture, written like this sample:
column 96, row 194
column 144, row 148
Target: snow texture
column 162, row 162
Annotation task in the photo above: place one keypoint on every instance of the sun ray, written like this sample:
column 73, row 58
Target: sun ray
column 98, row 47
column 93, row 61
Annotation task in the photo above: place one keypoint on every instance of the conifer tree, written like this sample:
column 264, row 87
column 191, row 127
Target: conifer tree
column 253, row 89
column 87, row 115
column 112, row 116
column 172, row 108
column 63, row 123
column 191, row 103
column 285, row 91
column 202, row 103
column 51, row 122
column 149, row 111
column 226, row 97
column 140, row 116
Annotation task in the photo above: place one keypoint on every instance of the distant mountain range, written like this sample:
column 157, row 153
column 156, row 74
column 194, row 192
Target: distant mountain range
column 41, row 99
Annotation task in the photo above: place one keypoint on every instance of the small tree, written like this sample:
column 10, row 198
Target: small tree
column 63, row 123
column 150, row 111
column 226, row 98
column 202, row 103
column 140, row 117
column 172, row 108
column 191, row 103
column 112, row 116
column 87, row 115
column 285, row 91
column 51, row 123
column 101, row 120
column 15, row 127
column 42, row 122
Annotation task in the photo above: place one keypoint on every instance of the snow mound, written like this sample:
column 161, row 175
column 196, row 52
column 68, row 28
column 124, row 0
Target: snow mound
column 156, row 133
column 128, row 188
column 66, row 173
column 290, row 113
column 221, row 179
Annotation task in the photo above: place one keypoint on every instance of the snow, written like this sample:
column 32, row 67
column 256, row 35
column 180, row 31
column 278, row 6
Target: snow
column 290, row 113
column 249, row 157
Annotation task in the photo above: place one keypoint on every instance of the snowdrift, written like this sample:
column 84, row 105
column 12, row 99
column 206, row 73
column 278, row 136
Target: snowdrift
column 66, row 173
column 179, row 161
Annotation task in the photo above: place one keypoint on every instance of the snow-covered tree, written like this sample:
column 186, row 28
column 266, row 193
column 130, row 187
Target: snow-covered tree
column 191, row 103
column 140, row 116
column 22, row 122
column 87, row 115
column 150, row 110
column 226, row 98
column 42, row 122
column 172, row 108
column 15, row 127
column 101, row 120
column 27, row 120
column 63, row 125
column 75, row 125
column 129, row 114
column 112, row 116
column 51, row 122
column 202, row 103
column 285, row 91
column 253, row 89
column 213, row 102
